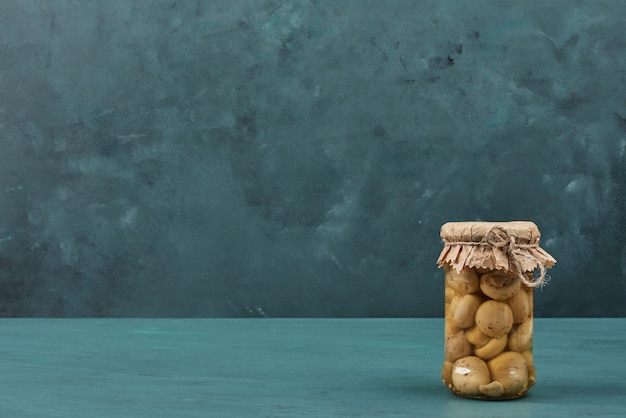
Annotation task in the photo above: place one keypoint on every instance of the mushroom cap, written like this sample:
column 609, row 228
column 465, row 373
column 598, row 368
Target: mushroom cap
column 499, row 284
column 511, row 370
column 521, row 338
column 494, row 318
column 464, row 282
column 464, row 310
column 456, row 346
column 468, row 374
column 520, row 306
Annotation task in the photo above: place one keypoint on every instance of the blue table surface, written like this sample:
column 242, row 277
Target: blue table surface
column 289, row 368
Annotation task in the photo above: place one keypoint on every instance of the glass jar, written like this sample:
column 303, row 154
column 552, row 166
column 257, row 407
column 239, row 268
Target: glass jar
column 489, row 281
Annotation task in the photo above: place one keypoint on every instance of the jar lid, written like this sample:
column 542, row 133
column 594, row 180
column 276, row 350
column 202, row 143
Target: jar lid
column 510, row 246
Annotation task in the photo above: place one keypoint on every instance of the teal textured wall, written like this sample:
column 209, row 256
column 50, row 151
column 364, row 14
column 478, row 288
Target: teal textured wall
column 275, row 158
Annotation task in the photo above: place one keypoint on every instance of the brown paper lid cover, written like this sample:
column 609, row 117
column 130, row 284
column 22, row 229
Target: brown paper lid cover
column 510, row 246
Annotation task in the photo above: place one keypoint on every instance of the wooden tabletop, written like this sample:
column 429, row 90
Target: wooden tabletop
column 288, row 368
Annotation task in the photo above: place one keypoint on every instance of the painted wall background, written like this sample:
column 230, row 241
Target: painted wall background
column 297, row 158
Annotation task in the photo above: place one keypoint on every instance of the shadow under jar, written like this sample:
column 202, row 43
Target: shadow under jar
column 489, row 280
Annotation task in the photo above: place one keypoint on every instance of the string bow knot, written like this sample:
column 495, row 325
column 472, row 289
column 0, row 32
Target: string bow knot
column 497, row 237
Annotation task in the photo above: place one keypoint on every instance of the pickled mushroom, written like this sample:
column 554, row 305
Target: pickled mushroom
column 492, row 348
column 511, row 370
column 468, row 374
column 494, row 318
column 476, row 337
column 499, row 285
column 520, row 306
column 528, row 355
column 464, row 282
column 456, row 346
column 522, row 337
column 465, row 310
